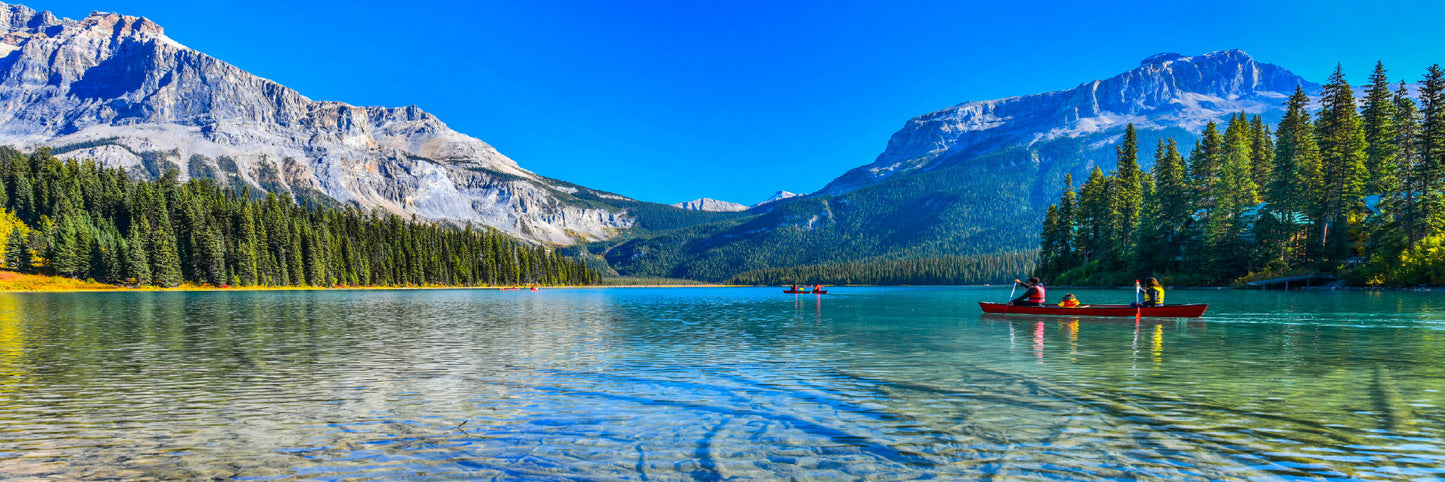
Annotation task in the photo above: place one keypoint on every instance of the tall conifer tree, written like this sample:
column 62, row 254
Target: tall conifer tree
column 1261, row 151
column 1234, row 193
column 1296, row 167
column 137, row 261
column 1068, row 223
column 1431, row 142
column 1378, row 116
column 17, row 252
column 165, row 261
column 1091, row 240
column 1126, row 197
column 1204, row 163
column 1405, row 200
column 1169, row 209
column 1342, row 155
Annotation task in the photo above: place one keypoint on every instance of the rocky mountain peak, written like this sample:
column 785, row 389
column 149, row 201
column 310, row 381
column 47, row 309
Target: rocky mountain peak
column 1167, row 90
column 777, row 196
column 709, row 204
column 114, row 88
column 120, row 25
column 1161, row 58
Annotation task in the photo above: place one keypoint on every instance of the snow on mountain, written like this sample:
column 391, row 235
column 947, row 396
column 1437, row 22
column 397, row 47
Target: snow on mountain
column 116, row 89
column 706, row 204
column 778, row 196
column 1165, row 91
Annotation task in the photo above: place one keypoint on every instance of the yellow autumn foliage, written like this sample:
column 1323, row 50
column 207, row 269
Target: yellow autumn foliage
column 1425, row 264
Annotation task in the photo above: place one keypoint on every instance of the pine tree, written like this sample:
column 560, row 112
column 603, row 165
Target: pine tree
column 17, row 252
column 137, row 261
column 1342, row 155
column 1296, row 169
column 1431, row 142
column 1233, row 194
column 1171, row 207
column 210, row 255
column 244, row 260
column 1068, row 257
column 1091, row 240
column 24, row 201
column 1238, row 140
column 1050, row 244
column 1404, row 201
column 66, row 254
column 1261, row 151
column 1378, row 117
column 1126, row 198
column 165, row 261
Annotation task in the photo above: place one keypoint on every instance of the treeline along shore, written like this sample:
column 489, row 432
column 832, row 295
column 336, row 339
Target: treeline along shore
column 83, row 220
column 1355, row 190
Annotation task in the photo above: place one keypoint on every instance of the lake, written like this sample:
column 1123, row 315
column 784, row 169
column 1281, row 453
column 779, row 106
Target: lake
column 717, row 383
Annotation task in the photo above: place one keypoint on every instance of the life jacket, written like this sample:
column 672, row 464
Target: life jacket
column 1069, row 303
column 1154, row 295
column 1039, row 295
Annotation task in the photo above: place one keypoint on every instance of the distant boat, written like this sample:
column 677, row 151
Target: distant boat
column 804, row 292
column 509, row 289
column 534, row 288
column 1166, row 311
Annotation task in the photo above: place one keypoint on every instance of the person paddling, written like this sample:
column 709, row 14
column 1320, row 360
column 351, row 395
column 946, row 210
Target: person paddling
column 1034, row 296
column 1153, row 293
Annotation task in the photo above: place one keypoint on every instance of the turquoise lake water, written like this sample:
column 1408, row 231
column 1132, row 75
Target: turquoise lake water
column 717, row 383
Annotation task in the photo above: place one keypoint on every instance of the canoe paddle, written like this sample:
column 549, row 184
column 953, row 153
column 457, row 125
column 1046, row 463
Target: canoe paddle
column 1137, row 313
column 1011, row 291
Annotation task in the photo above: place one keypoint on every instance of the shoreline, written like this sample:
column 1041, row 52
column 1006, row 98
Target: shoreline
column 95, row 287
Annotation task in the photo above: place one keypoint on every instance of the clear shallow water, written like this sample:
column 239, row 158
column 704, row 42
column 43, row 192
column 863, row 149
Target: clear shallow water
column 666, row 384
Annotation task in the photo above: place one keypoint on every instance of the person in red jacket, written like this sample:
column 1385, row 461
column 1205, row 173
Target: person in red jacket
column 1034, row 296
column 1069, row 301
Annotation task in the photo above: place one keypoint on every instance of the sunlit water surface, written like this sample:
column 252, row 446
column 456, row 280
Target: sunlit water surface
column 701, row 383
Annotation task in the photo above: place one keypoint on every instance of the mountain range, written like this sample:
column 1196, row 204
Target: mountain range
column 971, row 179
column 116, row 89
column 968, row 179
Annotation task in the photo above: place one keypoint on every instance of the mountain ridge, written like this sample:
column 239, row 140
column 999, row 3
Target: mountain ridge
column 127, row 95
column 1167, row 90
column 974, row 178
column 709, row 204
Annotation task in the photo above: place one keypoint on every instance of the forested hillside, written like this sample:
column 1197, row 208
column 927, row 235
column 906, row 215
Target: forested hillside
column 969, row 180
column 961, row 211
column 1356, row 189
column 1000, row 268
column 79, row 219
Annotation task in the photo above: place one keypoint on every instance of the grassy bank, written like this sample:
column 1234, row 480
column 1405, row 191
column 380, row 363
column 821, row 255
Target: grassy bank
column 12, row 281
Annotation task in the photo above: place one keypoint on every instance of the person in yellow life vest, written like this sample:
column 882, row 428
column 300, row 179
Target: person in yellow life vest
column 1153, row 293
column 1069, row 301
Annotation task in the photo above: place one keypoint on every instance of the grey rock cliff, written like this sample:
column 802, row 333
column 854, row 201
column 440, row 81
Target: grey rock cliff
column 115, row 89
column 709, row 204
column 1165, row 91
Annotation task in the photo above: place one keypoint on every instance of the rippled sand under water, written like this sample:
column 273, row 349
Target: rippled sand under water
column 715, row 383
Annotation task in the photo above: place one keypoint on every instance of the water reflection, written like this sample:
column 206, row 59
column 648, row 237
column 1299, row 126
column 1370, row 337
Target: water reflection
column 710, row 384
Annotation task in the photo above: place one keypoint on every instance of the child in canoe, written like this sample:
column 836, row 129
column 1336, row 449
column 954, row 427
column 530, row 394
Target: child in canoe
column 1069, row 301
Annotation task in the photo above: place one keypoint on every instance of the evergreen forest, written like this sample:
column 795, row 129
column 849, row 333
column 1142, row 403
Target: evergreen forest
column 83, row 220
column 942, row 270
column 1354, row 189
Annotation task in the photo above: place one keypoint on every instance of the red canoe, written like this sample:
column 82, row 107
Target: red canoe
column 801, row 292
column 1166, row 311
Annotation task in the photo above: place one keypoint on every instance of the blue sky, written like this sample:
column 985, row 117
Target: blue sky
column 673, row 100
